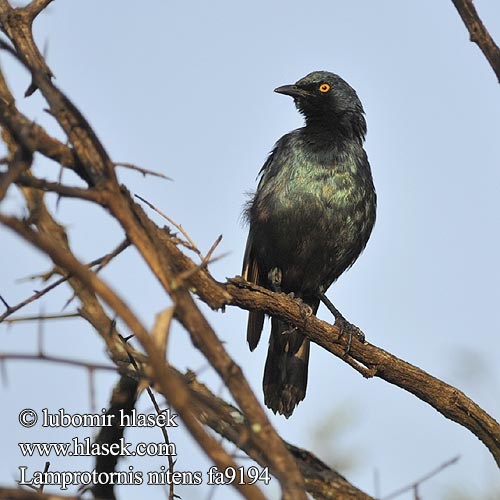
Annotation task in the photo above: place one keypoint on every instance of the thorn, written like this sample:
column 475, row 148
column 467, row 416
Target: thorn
column 4, row 302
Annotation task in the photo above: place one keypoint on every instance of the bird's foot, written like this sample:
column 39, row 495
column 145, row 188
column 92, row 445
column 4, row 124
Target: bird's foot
column 275, row 276
column 350, row 330
column 344, row 325
column 305, row 309
column 305, row 312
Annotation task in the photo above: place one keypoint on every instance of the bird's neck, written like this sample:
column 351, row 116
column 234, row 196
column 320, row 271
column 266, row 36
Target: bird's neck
column 338, row 129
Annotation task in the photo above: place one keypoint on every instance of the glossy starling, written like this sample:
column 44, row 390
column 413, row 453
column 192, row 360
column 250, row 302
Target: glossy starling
column 310, row 219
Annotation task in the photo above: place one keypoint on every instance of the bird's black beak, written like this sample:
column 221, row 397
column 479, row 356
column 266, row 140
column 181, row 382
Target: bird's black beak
column 291, row 90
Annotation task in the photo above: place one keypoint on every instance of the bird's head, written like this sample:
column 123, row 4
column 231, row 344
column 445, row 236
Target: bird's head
column 326, row 100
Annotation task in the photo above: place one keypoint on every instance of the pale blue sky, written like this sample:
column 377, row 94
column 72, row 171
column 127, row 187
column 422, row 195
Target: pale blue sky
column 187, row 88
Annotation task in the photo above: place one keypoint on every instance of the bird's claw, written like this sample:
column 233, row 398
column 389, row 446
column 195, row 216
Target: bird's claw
column 305, row 309
column 351, row 330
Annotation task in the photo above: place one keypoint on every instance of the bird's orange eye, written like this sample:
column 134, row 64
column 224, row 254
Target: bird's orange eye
column 324, row 87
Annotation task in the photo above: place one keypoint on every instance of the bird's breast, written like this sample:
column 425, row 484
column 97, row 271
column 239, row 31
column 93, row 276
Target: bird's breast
column 327, row 188
column 312, row 220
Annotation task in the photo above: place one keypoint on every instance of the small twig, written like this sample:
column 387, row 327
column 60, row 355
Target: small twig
column 171, row 463
column 212, row 249
column 101, row 262
column 29, row 300
column 39, row 276
column 4, row 302
column 61, row 189
column 143, row 171
column 427, row 476
column 35, row 7
column 189, row 243
column 106, row 259
column 185, row 275
column 45, row 470
column 34, row 487
column 45, row 317
column 161, row 329
column 18, row 356
column 59, row 180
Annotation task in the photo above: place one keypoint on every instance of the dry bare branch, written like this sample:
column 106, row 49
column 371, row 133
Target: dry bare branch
column 143, row 171
column 100, row 262
column 479, row 34
column 415, row 485
column 173, row 388
column 321, row 481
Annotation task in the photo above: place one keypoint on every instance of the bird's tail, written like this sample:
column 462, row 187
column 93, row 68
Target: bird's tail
column 285, row 373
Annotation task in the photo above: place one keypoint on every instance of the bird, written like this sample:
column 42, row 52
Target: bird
column 309, row 220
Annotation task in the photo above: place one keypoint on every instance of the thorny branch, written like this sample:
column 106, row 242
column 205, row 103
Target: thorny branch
column 100, row 262
column 229, row 423
column 180, row 277
column 171, row 387
column 416, row 484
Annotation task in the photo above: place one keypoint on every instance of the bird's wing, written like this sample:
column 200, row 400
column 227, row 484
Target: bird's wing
column 269, row 167
column 251, row 273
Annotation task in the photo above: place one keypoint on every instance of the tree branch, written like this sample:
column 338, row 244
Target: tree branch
column 100, row 263
column 321, row 481
column 35, row 7
column 446, row 399
column 16, row 123
column 365, row 358
column 173, row 388
column 479, row 34
column 61, row 189
column 16, row 24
